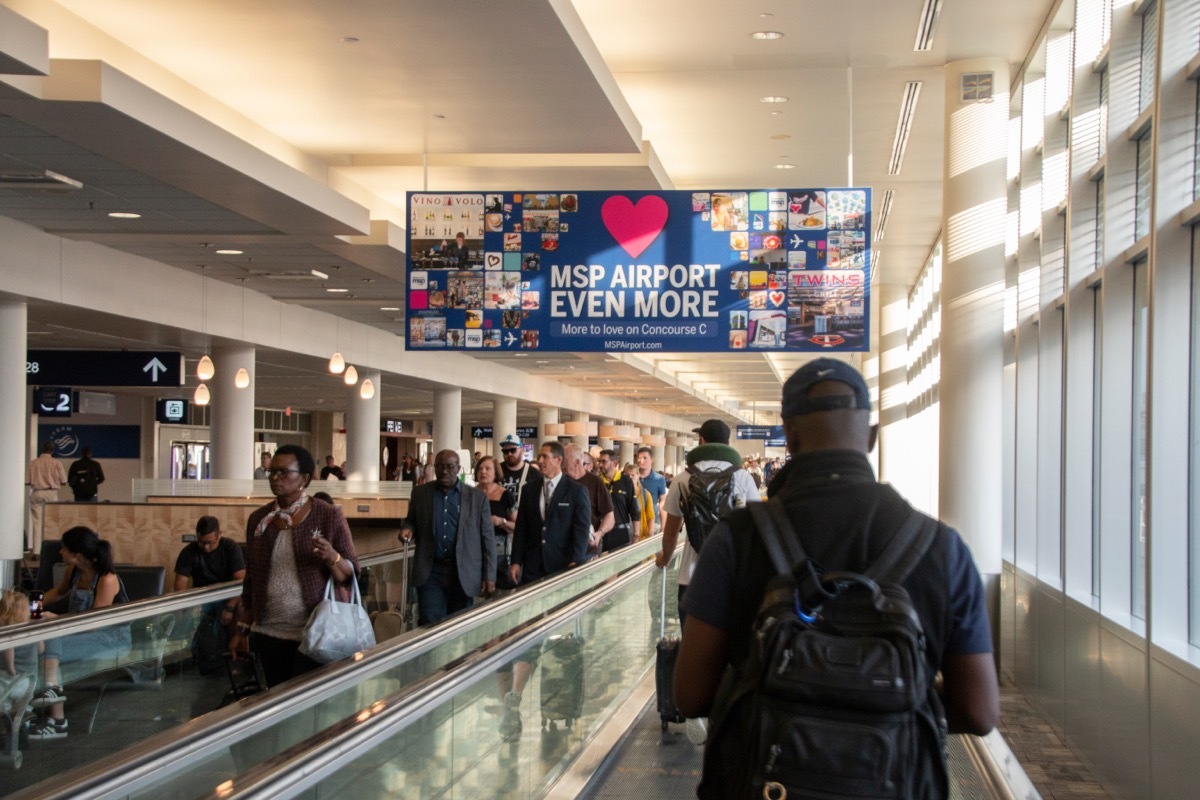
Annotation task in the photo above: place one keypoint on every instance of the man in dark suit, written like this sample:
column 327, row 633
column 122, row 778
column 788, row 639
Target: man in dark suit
column 552, row 530
column 552, row 524
column 455, row 542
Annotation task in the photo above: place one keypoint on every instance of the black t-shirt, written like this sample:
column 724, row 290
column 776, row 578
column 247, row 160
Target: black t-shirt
column 335, row 471
column 510, row 479
column 206, row 569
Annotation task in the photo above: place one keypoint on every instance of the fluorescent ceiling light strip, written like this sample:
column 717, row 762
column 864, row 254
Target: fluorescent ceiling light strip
column 885, row 211
column 908, row 109
column 927, row 24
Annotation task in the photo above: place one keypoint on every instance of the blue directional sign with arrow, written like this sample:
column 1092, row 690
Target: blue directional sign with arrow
column 103, row 368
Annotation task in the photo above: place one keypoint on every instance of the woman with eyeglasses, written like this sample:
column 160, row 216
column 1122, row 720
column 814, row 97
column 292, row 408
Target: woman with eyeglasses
column 294, row 544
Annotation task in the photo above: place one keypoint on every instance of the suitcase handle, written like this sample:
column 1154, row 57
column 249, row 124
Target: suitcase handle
column 662, row 633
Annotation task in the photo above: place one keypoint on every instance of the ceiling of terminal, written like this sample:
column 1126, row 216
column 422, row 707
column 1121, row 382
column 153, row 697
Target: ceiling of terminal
column 291, row 130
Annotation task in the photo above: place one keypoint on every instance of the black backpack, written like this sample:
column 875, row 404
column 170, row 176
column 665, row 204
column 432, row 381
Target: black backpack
column 835, row 698
column 709, row 495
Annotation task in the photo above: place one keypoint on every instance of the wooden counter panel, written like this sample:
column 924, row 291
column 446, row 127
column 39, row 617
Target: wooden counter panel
column 150, row 534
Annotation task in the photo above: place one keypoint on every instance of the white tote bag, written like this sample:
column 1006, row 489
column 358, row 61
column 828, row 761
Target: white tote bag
column 337, row 630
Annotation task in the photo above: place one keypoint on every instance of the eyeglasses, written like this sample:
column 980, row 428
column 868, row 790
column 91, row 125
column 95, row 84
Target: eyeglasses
column 445, row 467
column 281, row 473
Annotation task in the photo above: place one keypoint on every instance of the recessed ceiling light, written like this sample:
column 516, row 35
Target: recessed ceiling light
column 766, row 35
column 318, row 274
column 349, row 40
column 773, row 98
column 765, row 15
column 785, row 166
column 124, row 215
column 229, row 252
column 781, row 137
column 776, row 113
column 337, row 291
column 437, row 116
column 390, row 308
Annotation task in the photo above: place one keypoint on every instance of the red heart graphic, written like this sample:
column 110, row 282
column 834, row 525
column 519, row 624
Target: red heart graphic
column 777, row 298
column 635, row 227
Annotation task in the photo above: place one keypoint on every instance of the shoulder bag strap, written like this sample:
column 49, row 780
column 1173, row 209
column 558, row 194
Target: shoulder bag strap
column 521, row 485
column 777, row 535
column 907, row 545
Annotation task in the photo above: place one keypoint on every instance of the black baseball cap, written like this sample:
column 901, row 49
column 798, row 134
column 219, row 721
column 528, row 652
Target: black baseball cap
column 795, row 391
column 713, row 431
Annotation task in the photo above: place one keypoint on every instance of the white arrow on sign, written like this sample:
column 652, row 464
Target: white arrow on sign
column 154, row 367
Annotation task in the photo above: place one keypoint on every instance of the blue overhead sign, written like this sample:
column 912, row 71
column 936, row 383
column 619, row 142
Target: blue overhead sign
column 683, row 271
column 103, row 368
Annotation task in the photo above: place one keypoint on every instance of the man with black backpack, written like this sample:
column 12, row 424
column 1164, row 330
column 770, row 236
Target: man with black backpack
column 835, row 604
column 713, row 484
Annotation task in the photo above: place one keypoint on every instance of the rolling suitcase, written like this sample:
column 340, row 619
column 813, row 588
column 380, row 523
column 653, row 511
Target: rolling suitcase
column 665, row 653
column 246, row 678
column 562, row 680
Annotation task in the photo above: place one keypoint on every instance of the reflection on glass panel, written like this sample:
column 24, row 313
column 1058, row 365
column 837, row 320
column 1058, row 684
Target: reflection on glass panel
column 1103, row 111
column 1097, row 436
column 1099, row 255
column 1149, row 52
column 1196, row 147
column 1141, row 334
column 1145, row 182
column 1194, row 458
column 291, row 726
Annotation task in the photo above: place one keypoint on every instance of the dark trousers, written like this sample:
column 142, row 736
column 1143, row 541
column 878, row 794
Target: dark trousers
column 441, row 595
column 281, row 658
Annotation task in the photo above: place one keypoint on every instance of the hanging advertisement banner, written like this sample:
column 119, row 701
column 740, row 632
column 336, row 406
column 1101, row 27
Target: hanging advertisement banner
column 669, row 271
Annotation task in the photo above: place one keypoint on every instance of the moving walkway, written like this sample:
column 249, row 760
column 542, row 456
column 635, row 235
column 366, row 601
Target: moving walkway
column 417, row 717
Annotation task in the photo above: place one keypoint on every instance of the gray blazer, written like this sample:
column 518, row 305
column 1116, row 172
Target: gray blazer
column 474, row 544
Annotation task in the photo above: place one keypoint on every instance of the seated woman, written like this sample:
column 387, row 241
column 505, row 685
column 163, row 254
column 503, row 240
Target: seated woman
column 89, row 582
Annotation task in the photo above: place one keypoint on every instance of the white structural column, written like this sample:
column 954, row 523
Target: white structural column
column 974, row 204
column 628, row 450
column 660, row 451
column 581, row 439
column 232, row 414
column 362, row 430
column 447, row 419
column 605, row 444
column 546, row 416
column 893, row 386
column 13, row 414
column 504, row 419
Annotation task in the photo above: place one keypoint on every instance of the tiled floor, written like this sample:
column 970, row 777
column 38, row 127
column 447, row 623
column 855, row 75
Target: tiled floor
column 1054, row 769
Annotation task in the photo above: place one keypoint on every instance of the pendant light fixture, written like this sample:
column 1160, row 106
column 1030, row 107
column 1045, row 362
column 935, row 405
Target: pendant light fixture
column 367, row 390
column 202, row 396
column 242, row 379
column 205, row 369
column 351, row 376
column 337, row 364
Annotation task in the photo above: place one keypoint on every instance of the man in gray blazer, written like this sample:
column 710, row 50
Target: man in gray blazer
column 455, row 542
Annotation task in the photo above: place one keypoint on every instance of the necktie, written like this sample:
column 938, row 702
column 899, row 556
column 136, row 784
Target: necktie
column 545, row 498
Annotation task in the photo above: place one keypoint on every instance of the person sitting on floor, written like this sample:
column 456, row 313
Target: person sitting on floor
column 89, row 582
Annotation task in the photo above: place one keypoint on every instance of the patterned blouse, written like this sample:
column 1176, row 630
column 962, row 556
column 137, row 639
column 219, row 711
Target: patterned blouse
column 311, row 571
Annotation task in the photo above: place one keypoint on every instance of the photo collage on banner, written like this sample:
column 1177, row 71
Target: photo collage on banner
column 670, row 271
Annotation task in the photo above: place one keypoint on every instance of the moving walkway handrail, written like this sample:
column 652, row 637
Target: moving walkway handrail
column 41, row 630
column 296, row 769
column 120, row 774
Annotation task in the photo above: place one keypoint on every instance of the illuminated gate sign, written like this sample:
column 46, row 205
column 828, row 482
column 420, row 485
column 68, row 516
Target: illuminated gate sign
column 676, row 271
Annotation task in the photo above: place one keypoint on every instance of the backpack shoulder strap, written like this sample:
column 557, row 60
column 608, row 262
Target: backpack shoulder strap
column 907, row 546
column 777, row 535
